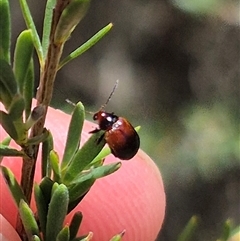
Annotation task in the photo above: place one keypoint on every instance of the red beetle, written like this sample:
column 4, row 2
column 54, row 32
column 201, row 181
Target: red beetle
column 119, row 134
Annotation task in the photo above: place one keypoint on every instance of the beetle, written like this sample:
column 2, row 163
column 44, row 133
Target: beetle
column 119, row 134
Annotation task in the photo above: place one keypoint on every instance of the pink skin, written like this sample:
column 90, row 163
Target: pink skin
column 131, row 199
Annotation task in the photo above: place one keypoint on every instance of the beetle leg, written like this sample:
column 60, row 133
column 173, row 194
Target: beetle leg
column 100, row 138
column 94, row 131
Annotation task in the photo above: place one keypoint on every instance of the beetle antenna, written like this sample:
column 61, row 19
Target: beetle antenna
column 70, row 102
column 111, row 94
column 90, row 112
column 73, row 104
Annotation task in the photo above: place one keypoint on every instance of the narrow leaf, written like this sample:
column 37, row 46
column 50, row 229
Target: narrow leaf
column 75, row 224
column 57, row 212
column 47, row 146
column 17, row 107
column 189, row 230
column 54, row 188
column 77, row 192
column 97, row 172
column 87, row 45
column 22, row 57
column 28, row 220
column 82, row 185
column 13, row 185
column 5, row 95
column 64, row 234
column 35, row 238
column 226, row 230
column 118, row 237
column 84, row 237
column 8, row 151
column 84, row 156
column 42, row 208
column 5, row 31
column 7, row 124
column 104, row 153
column 28, row 89
column 235, row 234
column 8, row 83
column 54, row 162
column 70, row 17
column 30, row 24
column 38, row 139
column 47, row 25
column 46, row 186
column 74, row 134
column 6, row 141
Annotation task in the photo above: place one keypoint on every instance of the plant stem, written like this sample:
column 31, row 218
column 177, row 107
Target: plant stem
column 44, row 95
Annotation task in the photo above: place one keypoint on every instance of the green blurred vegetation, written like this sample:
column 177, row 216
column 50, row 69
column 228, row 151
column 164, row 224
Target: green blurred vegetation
column 203, row 139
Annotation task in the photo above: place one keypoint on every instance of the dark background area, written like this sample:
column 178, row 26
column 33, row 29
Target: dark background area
column 178, row 65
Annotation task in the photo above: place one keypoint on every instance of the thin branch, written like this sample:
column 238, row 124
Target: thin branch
column 44, row 95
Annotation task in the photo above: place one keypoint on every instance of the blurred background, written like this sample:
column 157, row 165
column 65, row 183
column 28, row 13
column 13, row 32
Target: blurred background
column 178, row 66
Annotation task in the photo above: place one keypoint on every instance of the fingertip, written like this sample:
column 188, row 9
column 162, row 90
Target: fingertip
column 7, row 232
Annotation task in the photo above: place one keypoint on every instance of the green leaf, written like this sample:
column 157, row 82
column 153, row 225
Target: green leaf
column 13, row 185
column 198, row 7
column 5, row 31
column 87, row 45
column 46, row 186
column 75, row 224
column 85, row 238
column 17, row 107
column 64, row 234
column 5, row 95
column 28, row 89
column 38, row 139
column 235, row 234
column 42, row 207
column 28, row 220
column 47, row 146
column 189, row 230
column 8, row 83
column 54, row 188
column 104, row 153
column 47, row 25
column 15, row 129
column 57, row 212
column 35, row 238
column 30, row 24
column 70, row 17
column 118, row 237
column 22, row 132
column 98, row 172
column 77, row 192
column 226, row 230
column 81, row 185
column 8, row 151
column 54, row 162
column 5, row 142
column 74, row 134
column 22, row 57
column 8, row 126
column 84, row 156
